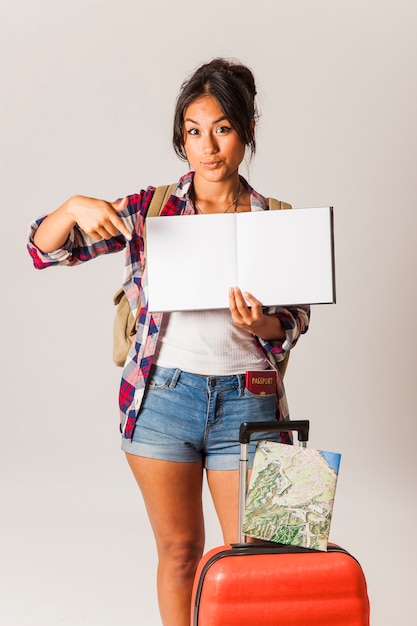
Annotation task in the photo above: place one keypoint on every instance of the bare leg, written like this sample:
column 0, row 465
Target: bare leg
column 172, row 495
column 224, row 489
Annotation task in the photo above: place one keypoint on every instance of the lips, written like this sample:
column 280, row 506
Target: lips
column 211, row 165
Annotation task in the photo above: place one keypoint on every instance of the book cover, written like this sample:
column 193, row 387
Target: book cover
column 291, row 495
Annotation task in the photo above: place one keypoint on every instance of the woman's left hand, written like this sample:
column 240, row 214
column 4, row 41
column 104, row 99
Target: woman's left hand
column 247, row 313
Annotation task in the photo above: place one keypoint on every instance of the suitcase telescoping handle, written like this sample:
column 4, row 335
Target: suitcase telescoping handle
column 246, row 430
column 301, row 426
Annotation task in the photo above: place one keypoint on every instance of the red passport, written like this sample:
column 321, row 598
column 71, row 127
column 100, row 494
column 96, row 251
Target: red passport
column 261, row 382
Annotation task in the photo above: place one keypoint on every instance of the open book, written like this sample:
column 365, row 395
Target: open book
column 280, row 257
column 291, row 495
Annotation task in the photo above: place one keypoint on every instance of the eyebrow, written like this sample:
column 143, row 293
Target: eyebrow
column 220, row 119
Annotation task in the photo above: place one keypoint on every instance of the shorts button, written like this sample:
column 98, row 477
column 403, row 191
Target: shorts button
column 212, row 383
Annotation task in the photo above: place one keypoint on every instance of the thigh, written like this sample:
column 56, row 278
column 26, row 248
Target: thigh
column 224, row 489
column 172, row 493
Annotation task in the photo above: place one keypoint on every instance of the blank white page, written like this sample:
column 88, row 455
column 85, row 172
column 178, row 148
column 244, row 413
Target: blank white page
column 286, row 257
column 191, row 261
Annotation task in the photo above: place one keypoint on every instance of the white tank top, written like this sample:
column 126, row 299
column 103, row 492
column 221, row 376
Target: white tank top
column 207, row 343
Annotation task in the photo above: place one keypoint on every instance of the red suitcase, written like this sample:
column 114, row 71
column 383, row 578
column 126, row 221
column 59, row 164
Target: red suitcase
column 265, row 584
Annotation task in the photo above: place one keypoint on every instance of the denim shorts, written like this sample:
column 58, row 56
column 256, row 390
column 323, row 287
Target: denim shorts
column 187, row 417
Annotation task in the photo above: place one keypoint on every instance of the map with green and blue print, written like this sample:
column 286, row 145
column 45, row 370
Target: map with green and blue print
column 291, row 495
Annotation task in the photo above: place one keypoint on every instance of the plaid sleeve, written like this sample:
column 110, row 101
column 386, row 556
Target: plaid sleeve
column 79, row 246
column 77, row 249
column 295, row 321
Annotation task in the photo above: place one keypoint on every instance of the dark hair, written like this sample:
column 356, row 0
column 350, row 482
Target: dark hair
column 233, row 86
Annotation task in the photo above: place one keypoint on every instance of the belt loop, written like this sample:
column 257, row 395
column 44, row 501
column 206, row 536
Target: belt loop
column 241, row 378
column 175, row 378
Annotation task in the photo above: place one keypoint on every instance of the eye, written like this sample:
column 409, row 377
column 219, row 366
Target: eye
column 223, row 130
column 192, row 131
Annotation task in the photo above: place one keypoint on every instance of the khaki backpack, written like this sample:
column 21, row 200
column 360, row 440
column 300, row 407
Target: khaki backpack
column 124, row 326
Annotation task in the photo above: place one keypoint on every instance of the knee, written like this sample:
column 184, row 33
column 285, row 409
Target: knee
column 180, row 558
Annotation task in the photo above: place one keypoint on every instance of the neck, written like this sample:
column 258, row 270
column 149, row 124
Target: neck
column 216, row 197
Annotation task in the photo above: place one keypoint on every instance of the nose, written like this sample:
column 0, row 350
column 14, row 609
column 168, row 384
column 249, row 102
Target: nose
column 210, row 144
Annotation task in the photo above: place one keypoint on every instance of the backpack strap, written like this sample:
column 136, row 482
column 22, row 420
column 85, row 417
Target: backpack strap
column 278, row 204
column 124, row 325
column 159, row 199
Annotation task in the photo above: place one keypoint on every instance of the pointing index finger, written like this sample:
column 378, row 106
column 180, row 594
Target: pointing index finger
column 120, row 205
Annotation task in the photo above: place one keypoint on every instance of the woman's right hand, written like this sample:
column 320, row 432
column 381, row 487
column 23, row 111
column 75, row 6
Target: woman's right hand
column 97, row 218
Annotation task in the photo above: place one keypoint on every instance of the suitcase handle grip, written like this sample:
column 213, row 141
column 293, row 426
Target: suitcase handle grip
column 301, row 426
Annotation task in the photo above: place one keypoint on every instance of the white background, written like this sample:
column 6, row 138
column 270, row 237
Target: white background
column 87, row 94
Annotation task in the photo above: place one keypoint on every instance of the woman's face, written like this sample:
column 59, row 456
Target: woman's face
column 214, row 149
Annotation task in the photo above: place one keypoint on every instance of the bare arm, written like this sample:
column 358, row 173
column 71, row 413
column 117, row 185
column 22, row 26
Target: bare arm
column 97, row 218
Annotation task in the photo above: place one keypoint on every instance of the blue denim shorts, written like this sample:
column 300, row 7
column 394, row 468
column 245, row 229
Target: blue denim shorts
column 187, row 417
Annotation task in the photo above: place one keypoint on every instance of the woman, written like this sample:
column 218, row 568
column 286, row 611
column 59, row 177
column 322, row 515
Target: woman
column 182, row 394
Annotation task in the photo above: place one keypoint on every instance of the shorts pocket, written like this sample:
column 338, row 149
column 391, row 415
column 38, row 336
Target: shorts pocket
column 160, row 378
column 258, row 396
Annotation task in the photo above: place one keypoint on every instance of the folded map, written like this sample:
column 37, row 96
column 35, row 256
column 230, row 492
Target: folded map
column 291, row 495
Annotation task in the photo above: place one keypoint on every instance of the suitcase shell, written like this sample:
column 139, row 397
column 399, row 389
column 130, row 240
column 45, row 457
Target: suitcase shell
column 269, row 584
